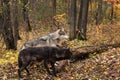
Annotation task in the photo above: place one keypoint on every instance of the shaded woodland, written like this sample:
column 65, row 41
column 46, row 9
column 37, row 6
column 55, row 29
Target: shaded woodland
column 93, row 27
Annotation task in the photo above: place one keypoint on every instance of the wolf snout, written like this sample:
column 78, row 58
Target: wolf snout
column 64, row 36
column 72, row 59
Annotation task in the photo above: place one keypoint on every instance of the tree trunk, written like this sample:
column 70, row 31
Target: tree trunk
column 112, row 12
column 105, row 7
column 54, row 7
column 73, row 20
column 82, row 22
column 99, row 15
column 26, row 16
column 15, row 20
column 53, row 11
column 7, row 32
column 69, row 10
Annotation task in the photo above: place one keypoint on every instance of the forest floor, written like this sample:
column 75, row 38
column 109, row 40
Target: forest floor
column 102, row 66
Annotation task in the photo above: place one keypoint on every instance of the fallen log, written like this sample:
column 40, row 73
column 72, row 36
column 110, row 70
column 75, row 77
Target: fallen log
column 83, row 52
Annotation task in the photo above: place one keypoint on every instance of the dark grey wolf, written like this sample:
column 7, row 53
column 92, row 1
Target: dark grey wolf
column 53, row 39
column 49, row 55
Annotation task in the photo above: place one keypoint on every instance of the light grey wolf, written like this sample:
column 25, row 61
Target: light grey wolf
column 49, row 55
column 53, row 39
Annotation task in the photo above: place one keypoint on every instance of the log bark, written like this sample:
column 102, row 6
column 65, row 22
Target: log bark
column 83, row 52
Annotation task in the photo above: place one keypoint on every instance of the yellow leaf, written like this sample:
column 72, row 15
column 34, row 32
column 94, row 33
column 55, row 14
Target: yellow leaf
column 12, row 59
column 56, row 78
column 105, row 72
column 72, row 78
column 7, row 56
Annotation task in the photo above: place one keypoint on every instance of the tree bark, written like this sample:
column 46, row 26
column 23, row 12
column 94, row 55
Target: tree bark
column 69, row 10
column 7, row 31
column 82, row 21
column 105, row 5
column 54, row 7
column 73, row 20
column 15, row 20
column 112, row 12
column 99, row 14
column 53, row 11
column 25, row 15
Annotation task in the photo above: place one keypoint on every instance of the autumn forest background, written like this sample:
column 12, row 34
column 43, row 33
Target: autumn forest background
column 93, row 27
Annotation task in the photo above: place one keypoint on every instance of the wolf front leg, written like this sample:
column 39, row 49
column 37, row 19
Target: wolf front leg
column 19, row 74
column 24, row 66
column 53, row 68
column 46, row 66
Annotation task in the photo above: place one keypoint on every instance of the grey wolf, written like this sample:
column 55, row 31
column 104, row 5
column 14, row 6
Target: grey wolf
column 53, row 39
column 49, row 55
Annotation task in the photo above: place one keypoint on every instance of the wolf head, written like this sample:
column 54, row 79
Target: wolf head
column 64, row 53
column 62, row 33
column 59, row 34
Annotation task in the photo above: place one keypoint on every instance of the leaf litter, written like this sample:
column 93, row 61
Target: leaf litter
column 103, row 66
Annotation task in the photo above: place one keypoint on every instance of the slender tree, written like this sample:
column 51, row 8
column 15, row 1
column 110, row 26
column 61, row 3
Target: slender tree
column 6, row 28
column 73, row 20
column 69, row 10
column 53, row 10
column 15, row 22
column 15, row 19
column 99, row 14
column 54, row 7
column 105, row 5
column 25, row 15
column 112, row 12
column 82, row 21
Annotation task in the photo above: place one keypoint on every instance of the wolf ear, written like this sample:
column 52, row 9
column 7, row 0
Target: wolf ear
column 57, row 31
column 61, row 28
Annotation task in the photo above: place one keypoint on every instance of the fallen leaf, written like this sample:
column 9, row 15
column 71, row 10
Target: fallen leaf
column 56, row 78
